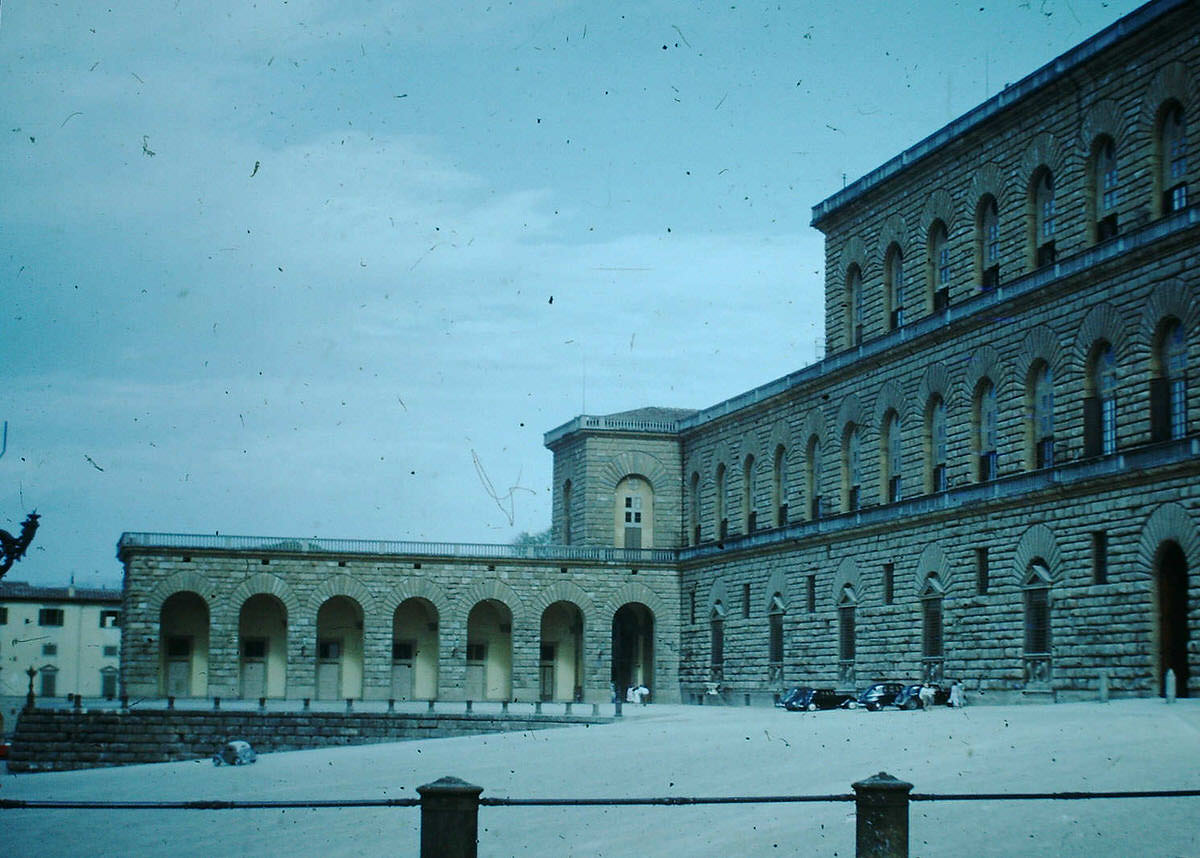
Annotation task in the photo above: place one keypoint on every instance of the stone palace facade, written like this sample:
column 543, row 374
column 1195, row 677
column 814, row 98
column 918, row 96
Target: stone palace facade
column 993, row 475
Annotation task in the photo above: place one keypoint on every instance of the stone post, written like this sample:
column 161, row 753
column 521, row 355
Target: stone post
column 1103, row 685
column 617, row 708
column 881, row 810
column 1169, row 691
column 449, row 818
column 29, row 698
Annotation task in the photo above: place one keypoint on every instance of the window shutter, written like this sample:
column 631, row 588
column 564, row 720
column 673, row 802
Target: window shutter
column 1160, row 410
column 1091, row 426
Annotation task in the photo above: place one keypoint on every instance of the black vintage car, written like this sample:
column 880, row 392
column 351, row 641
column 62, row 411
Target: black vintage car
column 812, row 699
column 910, row 697
column 880, row 694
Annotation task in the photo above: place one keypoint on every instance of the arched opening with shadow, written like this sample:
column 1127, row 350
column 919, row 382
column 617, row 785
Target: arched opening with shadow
column 489, row 651
column 183, row 646
column 415, row 650
column 339, row 649
column 632, row 648
column 1171, row 617
column 262, row 647
column 560, row 662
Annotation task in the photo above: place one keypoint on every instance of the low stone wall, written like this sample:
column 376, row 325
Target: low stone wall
column 49, row 740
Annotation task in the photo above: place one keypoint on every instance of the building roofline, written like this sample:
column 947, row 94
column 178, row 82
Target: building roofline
column 20, row 591
column 1006, row 98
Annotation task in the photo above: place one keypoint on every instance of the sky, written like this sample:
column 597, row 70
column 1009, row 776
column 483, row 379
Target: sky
column 332, row 269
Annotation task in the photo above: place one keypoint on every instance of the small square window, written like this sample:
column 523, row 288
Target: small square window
column 1100, row 557
column 50, row 617
column 811, row 583
column 981, row 571
column 402, row 651
column 745, row 600
column 110, row 619
column 889, row 583
column 476, row 652
column 49, row 649
column 111, row 652
column 3, row 616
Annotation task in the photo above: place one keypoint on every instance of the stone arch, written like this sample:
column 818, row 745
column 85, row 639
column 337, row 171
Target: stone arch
column 1104, row 118
column 1040, row 343
column 989, row 179
column 986, row 363
column 189, row 581
column 415, row 588
column 718, row 592
column 341, row 585
column 1037, row 541
column 634, row 463
column 776, row 583
column 854, row 252
column 814, row 424
column 890, row 398
column 1103, row 322
column 490, row 589
column 722, row 455
column 636, row 591
column 563, row 591
column 1169, row 521
column 1171, row 298
column 264, row 583
column 939, row 205
column 935, row 382
column 933, row 559
column 1043, row 149
column 781, row 435
column 851, row 411
column 1171, row 82
column 847, row 572
column 894, row 231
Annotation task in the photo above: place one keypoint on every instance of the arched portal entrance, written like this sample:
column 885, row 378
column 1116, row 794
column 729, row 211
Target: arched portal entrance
column 339, row 649
column 262, row 647
column 560, row 664
column 489, row 651
column 632, row 648
column 1171, row 617
column 183, row 646
column 415, row 650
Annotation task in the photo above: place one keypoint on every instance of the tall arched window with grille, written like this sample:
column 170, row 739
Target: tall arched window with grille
column 1100, row 403
column 893, row 269
column 749, row 515
column 1037, row 622
column 775, row 639
column 779, row 487
column 984, row 427
column 1168, row 383
column 1172, row 158
column 1105, row 193
column 1044, row 223
column 566, row 513
column 851, row 468
column 813, row 477
column 932, row 652
column 720, row 515
column 1039, row 401
column 935, row 444
column 854, row 307
column 891, row 478
column 847, row 603
column 716, row 629
column 694, row 508
column 940, row 271
column 987, row 227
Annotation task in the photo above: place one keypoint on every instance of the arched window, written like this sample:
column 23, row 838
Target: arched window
column 813, row 477
column 1100, row 403
column 1105, row 192
column 775, row 638
column 932, row 654
column 1039, row 429
column 719, row 505
column 939, row 267
column 1168, row 385
column 1172, row 158
column 694, row 508
column 894, row 286
column 851, row 468
column 847, row 602
column 854, row 308
column 1043, row 223
column 935, row 445
column 566, row 513
column 1037, row 622
column 779, row 486
column 716, row 628
column 984, row 429
column 890, row 479
column 987, row 222
column 634, row 513
column 749, row 516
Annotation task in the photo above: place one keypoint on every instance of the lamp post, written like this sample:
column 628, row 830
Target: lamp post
column 32, row 672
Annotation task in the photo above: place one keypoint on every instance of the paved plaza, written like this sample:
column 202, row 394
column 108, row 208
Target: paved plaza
column 675, row 751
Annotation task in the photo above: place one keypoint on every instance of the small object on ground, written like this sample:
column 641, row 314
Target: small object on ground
column 235, row 753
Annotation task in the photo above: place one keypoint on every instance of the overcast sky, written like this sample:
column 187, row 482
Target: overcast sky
column 331, row 268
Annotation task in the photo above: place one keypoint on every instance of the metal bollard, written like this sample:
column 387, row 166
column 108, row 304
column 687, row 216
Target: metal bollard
column 430, row 707
column 216, row 703
column 170, row 702
column 449, row 818
column 567, row 708
column 503, row 707
column 305, row 704
column 78, row 702
column 881, row 810
column 391, row 704
column 349, row 704
column 595, row 708
column 262, row 704
column 468, row 705
column 537, row 707
column 617, row 708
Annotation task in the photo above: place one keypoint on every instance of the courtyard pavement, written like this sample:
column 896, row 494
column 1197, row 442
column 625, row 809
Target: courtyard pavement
column 662, row 750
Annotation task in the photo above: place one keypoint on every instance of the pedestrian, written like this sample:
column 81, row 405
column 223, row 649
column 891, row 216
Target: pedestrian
column 631, row 694
column 956, row 694
column 926, row 695
column 642, row 693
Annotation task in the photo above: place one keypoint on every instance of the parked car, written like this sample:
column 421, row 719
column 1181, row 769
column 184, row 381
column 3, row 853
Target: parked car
column 812, row 699
column 910, row 697
column 880, row 694
column 235, row 753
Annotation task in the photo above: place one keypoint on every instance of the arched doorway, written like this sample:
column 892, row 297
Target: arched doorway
column 489, row 651
column 560, row 662
column 1171, row 617
column 632, row 648
column 262, row 647
column 339, row 649
column 415, row 650
column 183, row 646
